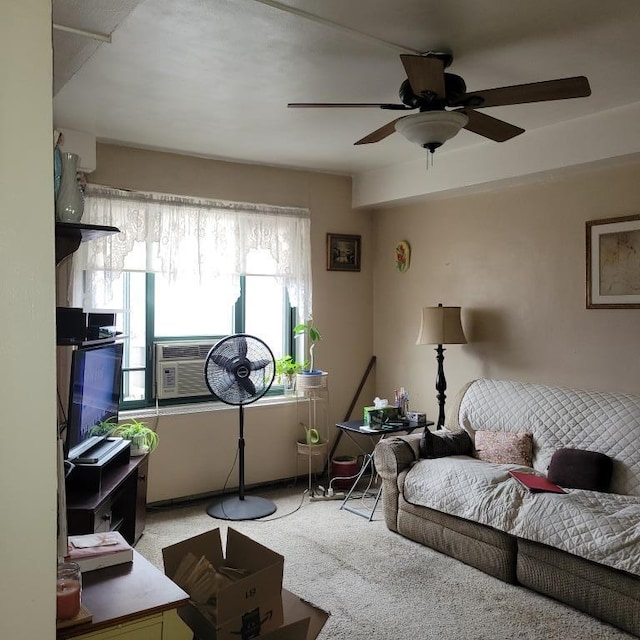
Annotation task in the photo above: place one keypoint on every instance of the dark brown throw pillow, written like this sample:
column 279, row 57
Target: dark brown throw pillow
column 438, row 444
column 580, row 469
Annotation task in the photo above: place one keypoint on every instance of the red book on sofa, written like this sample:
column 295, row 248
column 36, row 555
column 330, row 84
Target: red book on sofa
column 535, row 483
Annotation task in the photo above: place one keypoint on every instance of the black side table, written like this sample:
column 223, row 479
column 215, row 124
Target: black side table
column 354, row 428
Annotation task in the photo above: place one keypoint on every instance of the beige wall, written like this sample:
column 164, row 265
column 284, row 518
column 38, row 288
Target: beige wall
column 514, row 259
column 27, row 346
column 197, row 450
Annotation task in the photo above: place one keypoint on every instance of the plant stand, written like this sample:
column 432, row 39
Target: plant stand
column 313, row 413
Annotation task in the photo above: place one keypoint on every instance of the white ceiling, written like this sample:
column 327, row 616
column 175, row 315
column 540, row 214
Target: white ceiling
column 213, row 77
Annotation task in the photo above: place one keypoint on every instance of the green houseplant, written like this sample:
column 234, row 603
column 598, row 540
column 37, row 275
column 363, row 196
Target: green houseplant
column 311, row 377
column 313, row 336
column 143, row 439
column 286, row 370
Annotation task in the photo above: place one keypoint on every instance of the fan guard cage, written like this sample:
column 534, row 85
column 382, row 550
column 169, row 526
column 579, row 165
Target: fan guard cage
column 239, row 369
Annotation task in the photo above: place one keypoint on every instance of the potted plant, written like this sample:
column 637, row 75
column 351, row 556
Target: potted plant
column 286, row 370
column 143, row 439
column 104, row 428
column 310, row 377
column 313, row 444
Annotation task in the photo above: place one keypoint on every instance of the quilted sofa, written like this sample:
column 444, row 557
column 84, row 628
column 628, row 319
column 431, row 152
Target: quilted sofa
column 581, row 547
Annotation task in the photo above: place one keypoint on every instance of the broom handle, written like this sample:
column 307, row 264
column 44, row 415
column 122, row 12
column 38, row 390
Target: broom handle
column 351, row 406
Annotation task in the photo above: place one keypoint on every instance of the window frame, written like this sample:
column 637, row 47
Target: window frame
column 238, row 324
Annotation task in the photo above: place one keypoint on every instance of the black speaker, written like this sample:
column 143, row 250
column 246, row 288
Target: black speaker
column 101, row 320
column 101, row 325
column 71, row 325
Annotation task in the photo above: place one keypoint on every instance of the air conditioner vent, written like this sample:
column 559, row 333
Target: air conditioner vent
column 183, row 351
column 179, row 369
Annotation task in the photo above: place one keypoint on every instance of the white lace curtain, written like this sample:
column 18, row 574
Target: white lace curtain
column 188, row 239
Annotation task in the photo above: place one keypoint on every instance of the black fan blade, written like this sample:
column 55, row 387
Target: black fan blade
column 348, row 105
column 561, row 89
column 379, row 134
column 490, row 127
column 242, row 347
column 259, row 364
column 227, row 382
column 222, row 361
column 247, row 385
column 425, row 74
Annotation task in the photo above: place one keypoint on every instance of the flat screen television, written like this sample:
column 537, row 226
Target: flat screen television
column 94, row 394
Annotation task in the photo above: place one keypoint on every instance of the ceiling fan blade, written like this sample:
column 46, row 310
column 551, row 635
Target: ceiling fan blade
column 425, row 74
column 490, row 127
column 348, row 105
column 379, row 134
column 561, row 89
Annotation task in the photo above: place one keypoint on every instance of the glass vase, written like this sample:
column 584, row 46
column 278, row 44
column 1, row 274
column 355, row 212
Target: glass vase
column 70, row 199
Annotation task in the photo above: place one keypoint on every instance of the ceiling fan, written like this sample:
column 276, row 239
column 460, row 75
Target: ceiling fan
column 445, row 107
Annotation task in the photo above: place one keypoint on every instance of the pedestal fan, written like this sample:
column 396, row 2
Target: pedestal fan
column 239, row 370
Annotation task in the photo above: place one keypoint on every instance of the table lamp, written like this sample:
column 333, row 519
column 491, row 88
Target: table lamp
column 441, row 325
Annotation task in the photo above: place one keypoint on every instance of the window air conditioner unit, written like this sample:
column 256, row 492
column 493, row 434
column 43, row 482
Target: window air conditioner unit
column 179, row 369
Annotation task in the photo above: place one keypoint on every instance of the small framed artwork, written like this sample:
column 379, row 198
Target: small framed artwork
column 343, row 252
column 613, row 263
column 402, row 256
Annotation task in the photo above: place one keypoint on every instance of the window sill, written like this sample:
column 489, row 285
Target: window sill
column 202, row 407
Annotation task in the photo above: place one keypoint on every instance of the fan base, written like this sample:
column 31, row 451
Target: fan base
column 251, row 508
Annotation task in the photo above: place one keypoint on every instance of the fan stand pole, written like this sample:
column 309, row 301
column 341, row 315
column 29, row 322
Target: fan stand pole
column 241, row 456
column 241, row 507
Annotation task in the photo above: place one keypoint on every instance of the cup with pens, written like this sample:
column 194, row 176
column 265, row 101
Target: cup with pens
column 401, row 400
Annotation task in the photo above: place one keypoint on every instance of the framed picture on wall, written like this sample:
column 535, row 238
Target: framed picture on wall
column 343, row 252
column 613, row 263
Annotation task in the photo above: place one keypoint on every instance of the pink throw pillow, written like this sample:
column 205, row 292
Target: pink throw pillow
column 504, row 447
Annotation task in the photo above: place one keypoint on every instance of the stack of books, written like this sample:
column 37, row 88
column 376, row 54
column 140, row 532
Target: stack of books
column 98, row 550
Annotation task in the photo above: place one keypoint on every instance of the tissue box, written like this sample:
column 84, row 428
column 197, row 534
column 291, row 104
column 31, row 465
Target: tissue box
column 390, row 412
column 379, row 417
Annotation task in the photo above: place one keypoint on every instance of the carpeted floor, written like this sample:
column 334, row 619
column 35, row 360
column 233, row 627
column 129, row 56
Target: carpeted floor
column 376, row 584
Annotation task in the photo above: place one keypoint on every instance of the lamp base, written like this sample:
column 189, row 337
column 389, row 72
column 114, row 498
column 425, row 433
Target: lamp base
column 250, row 508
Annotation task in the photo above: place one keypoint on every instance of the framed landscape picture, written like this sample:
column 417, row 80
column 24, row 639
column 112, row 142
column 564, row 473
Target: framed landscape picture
column 343, row 252
column 613, row 263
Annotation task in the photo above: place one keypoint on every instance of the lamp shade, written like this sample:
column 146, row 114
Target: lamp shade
column 431, row 129
column 441, row 325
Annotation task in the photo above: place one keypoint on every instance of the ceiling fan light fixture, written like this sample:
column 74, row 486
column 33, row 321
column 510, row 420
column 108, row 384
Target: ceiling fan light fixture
column 431, row 129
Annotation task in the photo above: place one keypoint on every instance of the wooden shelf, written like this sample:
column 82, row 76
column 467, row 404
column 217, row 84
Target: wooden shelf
column 69, row 235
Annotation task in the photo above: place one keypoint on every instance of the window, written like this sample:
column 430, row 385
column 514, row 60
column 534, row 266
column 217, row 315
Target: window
column 184, row 269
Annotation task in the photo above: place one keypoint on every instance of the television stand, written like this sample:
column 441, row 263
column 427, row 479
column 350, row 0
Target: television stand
column 88, row 476
column 117, row 504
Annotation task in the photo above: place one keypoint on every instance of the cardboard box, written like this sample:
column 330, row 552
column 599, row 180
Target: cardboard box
column 245, row 608
column 255, row 606
column 302, row 620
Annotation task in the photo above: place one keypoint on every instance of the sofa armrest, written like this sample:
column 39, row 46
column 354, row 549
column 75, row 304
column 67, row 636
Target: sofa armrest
column 393, row 455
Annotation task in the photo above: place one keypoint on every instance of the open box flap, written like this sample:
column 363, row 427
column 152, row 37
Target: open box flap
column 208, row 544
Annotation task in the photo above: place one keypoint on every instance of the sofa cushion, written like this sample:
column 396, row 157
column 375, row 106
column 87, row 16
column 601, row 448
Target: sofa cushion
column 504, row 447
column 580, row 469
column 601, row 527
column 443, row 443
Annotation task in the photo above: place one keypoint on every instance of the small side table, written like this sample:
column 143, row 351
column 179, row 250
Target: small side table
column 353, row 428
column 129, row 601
